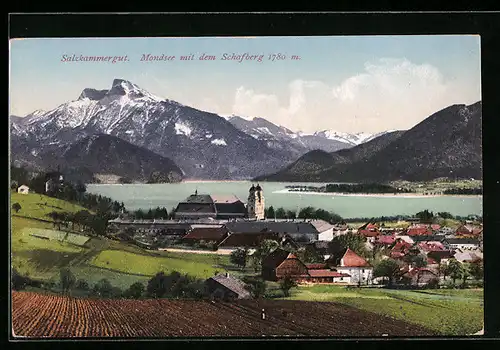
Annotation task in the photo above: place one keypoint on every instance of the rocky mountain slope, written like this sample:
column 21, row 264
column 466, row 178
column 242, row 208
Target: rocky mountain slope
column 281, row 138
column 110, row 155
column 204, row 145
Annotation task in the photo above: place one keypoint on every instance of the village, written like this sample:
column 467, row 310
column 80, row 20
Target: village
column 414, row 255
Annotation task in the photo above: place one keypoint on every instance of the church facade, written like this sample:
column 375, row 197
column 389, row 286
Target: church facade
column 256, row 203
column 220, row 207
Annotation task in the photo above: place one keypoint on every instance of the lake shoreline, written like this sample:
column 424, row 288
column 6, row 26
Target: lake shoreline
column 389, row 195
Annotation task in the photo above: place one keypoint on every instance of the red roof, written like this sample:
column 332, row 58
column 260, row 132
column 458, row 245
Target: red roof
column 431, row 246
column 418, row 231
column 396, row 254
column 207, row 233
column 327, row 273
column 385, row 239
column 316, row 266
column 351, row 259
column 435, row 226
column 371, row 227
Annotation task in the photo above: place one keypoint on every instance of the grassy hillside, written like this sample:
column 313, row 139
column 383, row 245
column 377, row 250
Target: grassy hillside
column 37, row 206
column 450, row 312
column 40, row 251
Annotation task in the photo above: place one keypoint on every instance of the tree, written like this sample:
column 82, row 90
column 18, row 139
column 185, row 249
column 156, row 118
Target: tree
column 82, row 284
column 355, row 242
column 310, row 255
column 445, row 215
column 477, row 270
column 307, row 213
column 280, row 213
column 80, row 189
column 256, row 286
column 425, row 216
column 455, row 270
column 286, row 284
column 443, row 270
column 239, row 257
column 265, row 248
column 270, row 213
column 161, row 284
column 465, row 274
column 387, row 268
column 290, row 214
column 18, row 282
column 103, row 288
column 67, row 279
column 16, row 206
column 135, row 291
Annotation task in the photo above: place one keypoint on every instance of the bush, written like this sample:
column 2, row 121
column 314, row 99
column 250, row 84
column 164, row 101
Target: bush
column 432, row 284
column 82, row 284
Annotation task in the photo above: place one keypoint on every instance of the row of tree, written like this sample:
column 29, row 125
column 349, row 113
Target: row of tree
column 81, row 220
column 304, row 213
column 467, row 191
column 365, row 188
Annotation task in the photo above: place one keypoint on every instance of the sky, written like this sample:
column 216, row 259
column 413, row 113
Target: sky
column 342, row 83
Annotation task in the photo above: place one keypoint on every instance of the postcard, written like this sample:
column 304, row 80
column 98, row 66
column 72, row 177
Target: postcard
column 218, row 187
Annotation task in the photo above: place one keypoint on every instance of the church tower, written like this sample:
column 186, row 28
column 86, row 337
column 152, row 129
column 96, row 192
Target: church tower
column 255, row 204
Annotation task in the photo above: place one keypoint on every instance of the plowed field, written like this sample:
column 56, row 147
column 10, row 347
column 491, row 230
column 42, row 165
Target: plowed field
column 38, row 315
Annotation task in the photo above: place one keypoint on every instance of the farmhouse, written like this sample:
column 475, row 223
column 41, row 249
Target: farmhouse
column 320, row 273
column 281, row 263
column 54, row 181
column 225, row 287
column 348, row 262
column 420, row 276
column 23, row 189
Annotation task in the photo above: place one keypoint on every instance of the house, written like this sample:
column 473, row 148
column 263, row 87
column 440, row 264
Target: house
column 299, row 230
column 281, row 263
column 328, row 276
column 348, row 262
column 400, row 249
column 405, row 238
column 251, row 241
column 226, row 287
column 207, row 234
column 468, row 256
column 384, row 240
column 23, row 189
column 463, row 243
column 468, row 230
column 420, row 276
column 418, row 231
column 441, row 255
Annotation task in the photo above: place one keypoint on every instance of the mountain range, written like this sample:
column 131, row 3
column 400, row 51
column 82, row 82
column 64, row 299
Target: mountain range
column 106, row 130
column 446, row 144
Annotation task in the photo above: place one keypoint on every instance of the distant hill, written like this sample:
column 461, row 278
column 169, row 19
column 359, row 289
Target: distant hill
column 106, row 154
column 446, row 144
column 313, row 165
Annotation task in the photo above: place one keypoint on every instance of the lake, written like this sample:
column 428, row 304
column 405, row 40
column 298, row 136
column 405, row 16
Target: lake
column 145, row 196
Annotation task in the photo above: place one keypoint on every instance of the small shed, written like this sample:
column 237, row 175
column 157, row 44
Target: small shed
column 226, row 287
column 23, row 189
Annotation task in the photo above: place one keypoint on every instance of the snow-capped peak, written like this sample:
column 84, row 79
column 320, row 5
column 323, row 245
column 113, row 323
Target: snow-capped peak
column 354, row 139
column 35, row 113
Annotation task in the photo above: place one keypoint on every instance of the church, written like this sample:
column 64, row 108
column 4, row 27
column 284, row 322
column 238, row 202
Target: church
column 222, row 207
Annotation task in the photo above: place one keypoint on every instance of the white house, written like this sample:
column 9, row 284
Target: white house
column 463, row 243
column 350, row 263
column 23, row 189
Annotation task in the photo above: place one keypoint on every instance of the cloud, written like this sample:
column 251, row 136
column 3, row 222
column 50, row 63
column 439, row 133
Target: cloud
column 389, row 93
